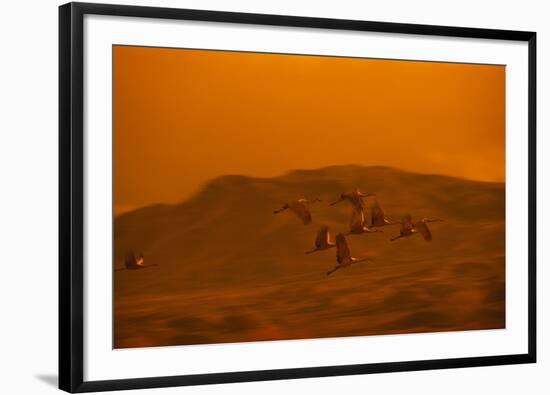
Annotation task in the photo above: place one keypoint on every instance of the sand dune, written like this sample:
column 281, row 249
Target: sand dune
column 230, row 270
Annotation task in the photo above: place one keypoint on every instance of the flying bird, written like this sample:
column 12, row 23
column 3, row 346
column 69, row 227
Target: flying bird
column 378, row 217
column 300, row 208
column 357, row 224
column 422, row 227
column 407, row 228
column 133, row 263
column 355, row 198
column 419, row 227
column 322, row 241
column 343, row 254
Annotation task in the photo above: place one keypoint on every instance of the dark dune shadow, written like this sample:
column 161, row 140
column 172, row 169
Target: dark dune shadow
column 421, row 319
column 237, row 323
column 488, row 315
column 496, row 293
column 440, row 291
column 189, row 324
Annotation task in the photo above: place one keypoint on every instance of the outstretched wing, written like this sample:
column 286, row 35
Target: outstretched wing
column 356, row 200
column 301, row 210
column 423, row 229
column 342, row 250
column 322, row 239
column 357, row 221
column 378, row 215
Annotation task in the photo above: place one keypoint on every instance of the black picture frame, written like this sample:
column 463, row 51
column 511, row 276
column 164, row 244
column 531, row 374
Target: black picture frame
column 71, row 175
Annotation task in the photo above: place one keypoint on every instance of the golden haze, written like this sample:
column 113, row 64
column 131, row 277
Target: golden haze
column 182, row 117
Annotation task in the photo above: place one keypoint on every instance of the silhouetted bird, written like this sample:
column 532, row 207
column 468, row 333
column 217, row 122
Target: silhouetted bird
column 419, row 227
column 357, row 224
column 355, row 198
column 378, row 217
column 133, row 263
column 300, row 208
column 343, row 254
column 322, row 241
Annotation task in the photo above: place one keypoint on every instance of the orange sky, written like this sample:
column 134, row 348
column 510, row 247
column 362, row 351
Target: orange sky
column 182, row 117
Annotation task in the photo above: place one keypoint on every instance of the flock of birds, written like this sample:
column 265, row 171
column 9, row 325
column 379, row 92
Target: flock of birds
column 358, row 225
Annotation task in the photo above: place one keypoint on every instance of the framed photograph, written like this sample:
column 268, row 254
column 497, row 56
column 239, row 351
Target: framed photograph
column 251, row 197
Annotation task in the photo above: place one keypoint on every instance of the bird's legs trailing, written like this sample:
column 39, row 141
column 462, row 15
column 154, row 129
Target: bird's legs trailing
column 397, row 237
column 366, row 230
column 370, row 230
column 333, row 270
column 320, row 249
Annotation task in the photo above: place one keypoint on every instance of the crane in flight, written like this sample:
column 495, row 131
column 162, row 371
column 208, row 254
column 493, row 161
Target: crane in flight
column 343, row 255
column 357, row 224
column 378, row 217
column 299, row 208
column 408, row 228
column 355, row 198
column 133, row 263
column 322, row 241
